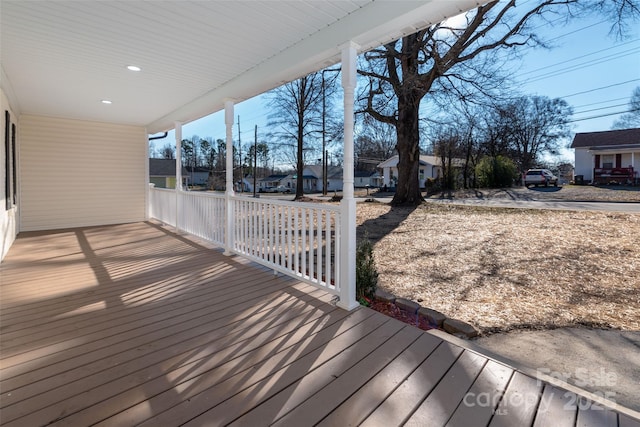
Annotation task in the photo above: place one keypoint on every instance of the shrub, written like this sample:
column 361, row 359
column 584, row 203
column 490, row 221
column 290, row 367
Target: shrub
column 495, row 172
column 366, row 273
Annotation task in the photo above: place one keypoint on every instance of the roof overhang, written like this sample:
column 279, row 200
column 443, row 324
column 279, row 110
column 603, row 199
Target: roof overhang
column 62, row 58
column 615, row 148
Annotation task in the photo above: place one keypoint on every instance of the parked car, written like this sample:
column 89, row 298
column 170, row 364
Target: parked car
column 540, row 177
column 283, row 189
column 268, row 190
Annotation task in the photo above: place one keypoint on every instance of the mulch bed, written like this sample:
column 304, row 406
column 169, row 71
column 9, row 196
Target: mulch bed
column 392, row 310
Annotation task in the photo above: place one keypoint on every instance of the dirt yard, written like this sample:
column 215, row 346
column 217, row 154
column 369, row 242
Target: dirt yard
column 505, row 269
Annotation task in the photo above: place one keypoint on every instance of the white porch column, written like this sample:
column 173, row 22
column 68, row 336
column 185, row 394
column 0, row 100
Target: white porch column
column 229, row 231
column 348, row 232
column 178, row 132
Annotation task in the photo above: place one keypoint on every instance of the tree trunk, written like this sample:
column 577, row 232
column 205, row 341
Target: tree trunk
column 408, row 187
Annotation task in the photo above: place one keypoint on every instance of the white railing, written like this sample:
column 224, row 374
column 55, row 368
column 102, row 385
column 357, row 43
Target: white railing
column 299, row 239
column 202, row 214
column 162, row 205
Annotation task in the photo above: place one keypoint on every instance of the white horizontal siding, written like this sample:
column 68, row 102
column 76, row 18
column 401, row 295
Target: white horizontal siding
column 584, row 163
column 8, row 218
column 78, row 173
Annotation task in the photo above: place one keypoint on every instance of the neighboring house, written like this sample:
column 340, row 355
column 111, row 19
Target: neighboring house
column 309, row 183
column 270, row 181
column 429, row 168
column 364, row 179
column 376, row 179
column 244, row 186
column 334, row 177
column 198, row 175
column 162, row 173
column 607, row 156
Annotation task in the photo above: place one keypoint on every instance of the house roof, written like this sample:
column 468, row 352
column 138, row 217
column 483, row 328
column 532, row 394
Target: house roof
column 333, row 172
column 62, row 58
column 609, row 138
column 424, row 160
column 273, row 178
column 164, row 167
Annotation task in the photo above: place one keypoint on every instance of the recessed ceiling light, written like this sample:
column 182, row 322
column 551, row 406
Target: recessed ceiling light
column 133, row 68
column 106, row 101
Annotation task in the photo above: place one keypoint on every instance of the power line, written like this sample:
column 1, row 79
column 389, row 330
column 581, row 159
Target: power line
column 601, row 108
column 583, row 65
column 600, row 102
column 602, row 115
column 578, row 57
column 599, row 88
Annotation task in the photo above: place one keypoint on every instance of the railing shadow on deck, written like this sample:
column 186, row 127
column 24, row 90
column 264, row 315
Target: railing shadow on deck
column 241, row 317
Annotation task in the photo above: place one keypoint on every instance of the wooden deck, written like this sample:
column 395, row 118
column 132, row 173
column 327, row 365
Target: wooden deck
column 133, row 324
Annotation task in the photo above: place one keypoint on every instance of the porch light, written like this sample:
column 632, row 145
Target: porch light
column 133, row 68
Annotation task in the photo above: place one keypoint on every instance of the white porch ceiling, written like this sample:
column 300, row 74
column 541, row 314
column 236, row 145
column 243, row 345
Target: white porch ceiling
column 61, row 58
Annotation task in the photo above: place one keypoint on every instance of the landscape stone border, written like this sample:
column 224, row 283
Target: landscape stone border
column 455, row 327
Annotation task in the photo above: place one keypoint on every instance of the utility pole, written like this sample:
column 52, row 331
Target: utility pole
column 240, row 158
column 325, row 160
column 324, row 142
column 255, row 159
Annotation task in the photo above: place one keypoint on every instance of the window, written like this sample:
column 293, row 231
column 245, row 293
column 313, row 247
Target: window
column 607, row 161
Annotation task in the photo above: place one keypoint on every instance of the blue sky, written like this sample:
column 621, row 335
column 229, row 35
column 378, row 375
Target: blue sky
column 592, row 70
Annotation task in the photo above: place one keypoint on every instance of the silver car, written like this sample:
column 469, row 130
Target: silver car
column 540, row 177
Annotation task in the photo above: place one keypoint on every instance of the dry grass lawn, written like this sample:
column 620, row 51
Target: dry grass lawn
column 502, row 269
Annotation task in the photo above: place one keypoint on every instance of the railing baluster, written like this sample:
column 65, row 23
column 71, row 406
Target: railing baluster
column 311, row 245
column 289, row 236
column 319, row 257
column 327, row 250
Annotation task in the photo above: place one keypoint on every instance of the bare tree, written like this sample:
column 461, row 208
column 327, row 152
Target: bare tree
column 458, row 57
column 168, row 152
column 534, row 125
column 375, row 143
column 630, row 119
column 297, row 114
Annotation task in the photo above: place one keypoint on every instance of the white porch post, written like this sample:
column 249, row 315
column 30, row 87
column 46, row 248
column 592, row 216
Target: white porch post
column 348, row 204
column 178, row 132
column 229, row 231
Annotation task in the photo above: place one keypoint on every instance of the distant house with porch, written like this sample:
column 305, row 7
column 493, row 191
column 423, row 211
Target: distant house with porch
column 607, row 156
column 162, row 173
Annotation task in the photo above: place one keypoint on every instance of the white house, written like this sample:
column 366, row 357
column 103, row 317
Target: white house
column 429, row 168
column 608, row 156
column 366, row 179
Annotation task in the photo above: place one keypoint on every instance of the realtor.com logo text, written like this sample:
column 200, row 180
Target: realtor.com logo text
column 501, row 402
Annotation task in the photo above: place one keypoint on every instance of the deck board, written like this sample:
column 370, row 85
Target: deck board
column 366, row 399
column 134, row 324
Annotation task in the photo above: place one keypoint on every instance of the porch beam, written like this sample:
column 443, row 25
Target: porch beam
column 348, row 204
column 229, row 230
